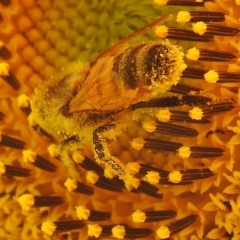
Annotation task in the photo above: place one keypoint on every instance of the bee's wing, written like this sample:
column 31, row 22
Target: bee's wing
column 102, row 90
column 111, row 50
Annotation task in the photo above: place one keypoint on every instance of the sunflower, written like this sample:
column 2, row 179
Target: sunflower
column 182, row 149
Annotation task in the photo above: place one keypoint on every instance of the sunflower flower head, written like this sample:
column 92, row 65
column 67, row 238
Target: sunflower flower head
column 169, row 168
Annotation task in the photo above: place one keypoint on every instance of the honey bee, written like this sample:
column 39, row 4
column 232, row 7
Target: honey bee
column 85, row 102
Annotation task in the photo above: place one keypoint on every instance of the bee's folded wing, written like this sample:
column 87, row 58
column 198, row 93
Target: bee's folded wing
column 103, row 90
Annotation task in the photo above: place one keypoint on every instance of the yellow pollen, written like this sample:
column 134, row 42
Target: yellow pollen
column 70, row 184
column 199, row 28
column 109, row 173
column 152, row 177
column 149, row 126
column 29, row 156
column 184, row 152
column 32, row 121
column 118, row 232
column 53, row 150
column 183, row 17
column 78, row 157
column 92, row 177
column 23, row 101
column 163, row 232
column 163, row 115
column 48, row 227
column 138, row 216
column 132, row 167
column 2, row 168
column 137, row 143
column 211, row 76
column 82, row 212
column 196, row 113
column 4, row 69
column 193, row 54
column 26, row 201
column 94, row 230
column 131, row 182
column 160, row 2
column 175, row 177
column 161, row 31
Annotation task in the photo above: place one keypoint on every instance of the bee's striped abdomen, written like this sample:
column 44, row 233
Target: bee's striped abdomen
column 148, row 63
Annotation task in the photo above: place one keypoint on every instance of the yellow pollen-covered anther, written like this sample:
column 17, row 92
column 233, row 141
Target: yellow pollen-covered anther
column 161, row 31
column 82, row 212
column 118, row 232
column 193, row 54
column 94, row 230
column 211, row 76
column 78, row 157
column 149, row 126
column 53, row 150
column 163, row 115
column 4, row 69
column 32, row 121
column 183, row 17
column 2, row 168
column 132, row 168
column 196, row 113
column 184, row 152
column 160, row 2
column 152, row 177
column 48, row 227
column 175, row 176
column 109, row 173
column 138, row 216
column 26, row 201
column 92, row 177
column 131, row 182
column 199, row 28
column 137, row 143
column 23, row 101
column 163, row 232
column 70, row 184
column 29, row 156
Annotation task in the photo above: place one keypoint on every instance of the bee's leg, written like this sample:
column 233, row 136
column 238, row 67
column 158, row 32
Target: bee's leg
column 102, row 155
column 66, row 148
column 101, row 151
